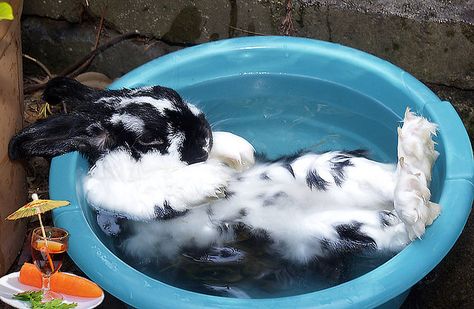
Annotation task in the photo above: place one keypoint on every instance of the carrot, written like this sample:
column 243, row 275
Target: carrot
column 60, row 282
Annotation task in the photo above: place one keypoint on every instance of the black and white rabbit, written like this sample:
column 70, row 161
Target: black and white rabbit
column 155, row 160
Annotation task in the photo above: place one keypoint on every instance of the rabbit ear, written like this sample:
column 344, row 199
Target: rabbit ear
column 57, row 135
column 70, row 91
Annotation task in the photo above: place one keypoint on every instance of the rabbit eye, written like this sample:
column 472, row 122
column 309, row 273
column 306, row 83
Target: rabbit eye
column 148, row 140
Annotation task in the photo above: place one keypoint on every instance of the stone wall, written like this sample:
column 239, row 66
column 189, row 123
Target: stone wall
column 432, row 39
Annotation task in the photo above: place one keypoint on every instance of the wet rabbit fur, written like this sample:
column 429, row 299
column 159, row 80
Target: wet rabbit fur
column 155, row 161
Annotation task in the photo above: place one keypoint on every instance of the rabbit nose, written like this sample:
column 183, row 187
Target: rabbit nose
column 201, row 158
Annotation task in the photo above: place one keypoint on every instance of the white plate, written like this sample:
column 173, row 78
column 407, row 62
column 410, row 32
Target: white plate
column 9, row 285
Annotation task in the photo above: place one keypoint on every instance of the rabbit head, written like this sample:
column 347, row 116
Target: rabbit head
column 142, row 120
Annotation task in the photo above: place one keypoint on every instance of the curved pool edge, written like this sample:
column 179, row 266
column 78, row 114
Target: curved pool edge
column 175, row 65
column 96, row 260
column 455, row 140
column 103, row 267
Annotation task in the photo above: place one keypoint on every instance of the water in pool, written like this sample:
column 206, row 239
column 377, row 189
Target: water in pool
column 279, row 115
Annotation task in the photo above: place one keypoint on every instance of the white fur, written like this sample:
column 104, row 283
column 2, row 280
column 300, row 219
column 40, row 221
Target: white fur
column 416, row 158
column 130, row 122
column 297, row 222
column 121, row 184
column 176, row 141
column 300, row 220
column 416, row 145
column 196, row 111
column 132, row 188
column 233, row 150
column 160, row 104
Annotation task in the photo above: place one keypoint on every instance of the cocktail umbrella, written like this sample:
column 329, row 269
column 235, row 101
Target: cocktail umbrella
column 37, row 207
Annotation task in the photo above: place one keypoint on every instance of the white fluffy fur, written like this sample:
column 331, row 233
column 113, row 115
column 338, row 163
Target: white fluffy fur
column 118, row 183
column 301, row 221
column 297, row 222
column 416, row 155
column 233, row 150
column 132, row 123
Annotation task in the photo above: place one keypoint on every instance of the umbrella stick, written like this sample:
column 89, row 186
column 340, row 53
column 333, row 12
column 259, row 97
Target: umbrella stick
column 42, row 226
column 34, row 196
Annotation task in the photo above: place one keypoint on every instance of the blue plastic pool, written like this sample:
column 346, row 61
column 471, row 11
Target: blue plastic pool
column 283, row 94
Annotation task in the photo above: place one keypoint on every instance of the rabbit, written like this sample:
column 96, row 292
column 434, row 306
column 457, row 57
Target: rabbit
column 155, row 161
column 305, row 206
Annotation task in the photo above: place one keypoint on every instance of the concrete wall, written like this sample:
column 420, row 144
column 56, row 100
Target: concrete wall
column 432, row 39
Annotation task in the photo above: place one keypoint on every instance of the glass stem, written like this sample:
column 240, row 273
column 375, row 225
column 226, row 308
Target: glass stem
column 45, row 284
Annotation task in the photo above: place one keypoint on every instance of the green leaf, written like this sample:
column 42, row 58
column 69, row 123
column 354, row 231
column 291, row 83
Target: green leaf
column 29, row 296
column 56, row 304
column 35, row 297
column 6, row 11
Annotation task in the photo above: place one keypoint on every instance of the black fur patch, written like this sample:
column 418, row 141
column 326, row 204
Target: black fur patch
column 270, row 201
column 264, row 176
column 337, row 169
column 388, row 218
column 289, row 168
column 352, row 239
column 68, row 90
column 358, row 153
column 223, row 227
column 243, row 212
column 326, row 245
column 209, row 211
column 54, row 136
column 165, row 212
column 196, row 130
column 228, row 194
column 260, row 234
column 313, row 180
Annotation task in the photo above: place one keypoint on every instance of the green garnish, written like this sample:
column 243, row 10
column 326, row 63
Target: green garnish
column 29, row 296
column 35, row 297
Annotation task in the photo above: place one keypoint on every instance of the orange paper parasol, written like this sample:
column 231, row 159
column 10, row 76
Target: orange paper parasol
column 37, row 207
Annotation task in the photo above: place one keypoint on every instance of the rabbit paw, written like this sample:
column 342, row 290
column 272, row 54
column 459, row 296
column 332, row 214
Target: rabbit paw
column 200, row 183
column 232, row 150
column 416, row 158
